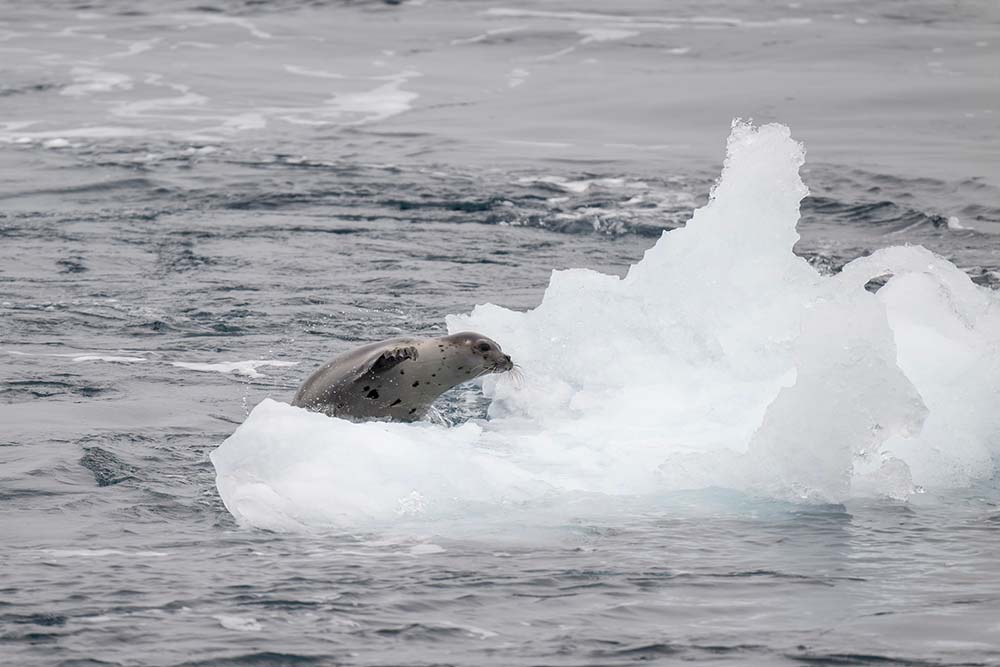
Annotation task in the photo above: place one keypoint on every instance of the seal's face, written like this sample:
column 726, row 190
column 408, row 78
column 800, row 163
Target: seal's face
column 483, row 354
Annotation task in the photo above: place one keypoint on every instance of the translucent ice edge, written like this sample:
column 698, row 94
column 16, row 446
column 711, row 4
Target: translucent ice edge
column 720, row 360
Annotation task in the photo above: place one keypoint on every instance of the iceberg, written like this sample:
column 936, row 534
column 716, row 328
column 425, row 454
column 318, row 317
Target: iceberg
column 721, row 359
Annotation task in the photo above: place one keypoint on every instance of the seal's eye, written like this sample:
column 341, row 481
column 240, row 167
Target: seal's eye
column 484, row 347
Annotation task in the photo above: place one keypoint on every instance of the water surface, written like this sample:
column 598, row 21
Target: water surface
column 191, row 185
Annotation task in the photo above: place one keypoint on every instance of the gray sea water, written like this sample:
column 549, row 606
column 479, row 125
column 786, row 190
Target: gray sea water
column 201, row 201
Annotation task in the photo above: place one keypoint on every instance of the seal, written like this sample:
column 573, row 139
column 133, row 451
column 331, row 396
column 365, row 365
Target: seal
column 399, row 378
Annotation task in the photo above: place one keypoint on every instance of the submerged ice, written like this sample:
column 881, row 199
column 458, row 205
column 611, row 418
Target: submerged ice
column 720, row 360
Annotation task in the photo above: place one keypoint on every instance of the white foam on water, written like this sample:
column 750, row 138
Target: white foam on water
column 244, row 368
column 536, row 144
column 426, row 549
column 89, row 80
column 315, row 73
column 135, row 48
column 605, row 34
column 368, row 106
column 517, row 76
column 199, row 20
column 94, row 619
column 77, row 357
column 955, row 224
column 97, row 132
column 482, row 37
column 720, row 360
column 647, row 21
column 470, row 630
column 101, row 553
column 240, row 623
column 157, row 107
column 580, row 186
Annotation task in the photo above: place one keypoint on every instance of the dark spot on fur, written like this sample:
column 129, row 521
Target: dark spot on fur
column 416, row 384
column 396, row 402
column 461, row 368
column 412, row 410
column 366, row 388
column 373, row 394
column 434, row 375
column 402, row 372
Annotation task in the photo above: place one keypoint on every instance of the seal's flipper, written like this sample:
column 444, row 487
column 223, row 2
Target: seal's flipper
column 390, row 358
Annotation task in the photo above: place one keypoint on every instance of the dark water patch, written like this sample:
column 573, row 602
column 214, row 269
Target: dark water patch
column 338, row 231
column 543, row 596
column 91, row 314
column 27, row 89
column 277, row 201
column 261, row 659
column 235, row 322
column 878, row 213
column 652, row 580
column 768, row 574
column 977, row 212
column 26, row 493
column 864, row 660
column 89, row 391
column 43, row 618
column 984, row 277
column 216, row 329
column 369, row 193
column 71, row 265
column 151, row 327
column 31, row 637
column 19, row 390
column 426, row 632
column 102, row 188
column 106, row 467
column 465, row 206
column 719, row 649
column 971, row 601
column 458, row 259
column 197, row 234
column 642, row 652
column 180, row 257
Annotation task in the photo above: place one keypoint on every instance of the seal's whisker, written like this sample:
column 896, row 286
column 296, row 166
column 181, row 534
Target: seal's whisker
column 515, row 376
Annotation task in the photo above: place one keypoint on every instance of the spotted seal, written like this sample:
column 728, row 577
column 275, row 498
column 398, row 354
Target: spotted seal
column 399, row 378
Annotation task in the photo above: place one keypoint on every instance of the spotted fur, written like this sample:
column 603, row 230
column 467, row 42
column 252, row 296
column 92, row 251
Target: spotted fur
column 398, row 379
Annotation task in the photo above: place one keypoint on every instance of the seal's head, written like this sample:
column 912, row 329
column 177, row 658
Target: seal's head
column 483, row 355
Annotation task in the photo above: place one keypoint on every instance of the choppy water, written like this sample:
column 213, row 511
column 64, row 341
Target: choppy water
column 186, row 186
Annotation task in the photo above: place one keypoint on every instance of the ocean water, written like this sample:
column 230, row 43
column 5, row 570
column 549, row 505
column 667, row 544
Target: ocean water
column 727, row 447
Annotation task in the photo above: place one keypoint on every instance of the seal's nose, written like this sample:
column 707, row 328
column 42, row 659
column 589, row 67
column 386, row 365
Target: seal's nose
column 510, row 364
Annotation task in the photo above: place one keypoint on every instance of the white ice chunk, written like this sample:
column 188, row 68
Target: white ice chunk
column 720, row 360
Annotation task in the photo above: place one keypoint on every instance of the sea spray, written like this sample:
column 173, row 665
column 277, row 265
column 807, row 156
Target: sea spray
column 720, row 360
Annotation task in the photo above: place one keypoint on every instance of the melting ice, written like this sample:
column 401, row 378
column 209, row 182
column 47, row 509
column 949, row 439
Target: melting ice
column 720, row 360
